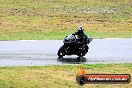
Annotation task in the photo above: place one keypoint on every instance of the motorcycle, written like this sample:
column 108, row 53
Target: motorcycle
column 73, row 46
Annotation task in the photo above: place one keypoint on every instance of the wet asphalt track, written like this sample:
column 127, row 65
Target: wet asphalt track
column 44, row 52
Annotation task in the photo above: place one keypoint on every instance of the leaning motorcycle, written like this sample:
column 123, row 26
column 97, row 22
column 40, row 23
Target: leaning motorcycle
column 73, row 46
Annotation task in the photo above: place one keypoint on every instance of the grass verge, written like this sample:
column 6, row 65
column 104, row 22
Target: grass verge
column 61, row 35
column 58, row 76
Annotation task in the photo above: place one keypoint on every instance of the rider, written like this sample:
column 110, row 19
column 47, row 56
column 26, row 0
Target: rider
column 81, row 35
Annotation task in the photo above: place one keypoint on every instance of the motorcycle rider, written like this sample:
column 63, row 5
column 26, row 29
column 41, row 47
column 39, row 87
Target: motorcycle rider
column 83, row 39
column 81, row 35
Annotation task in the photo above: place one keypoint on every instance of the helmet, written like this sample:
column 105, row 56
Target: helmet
column 80, row 28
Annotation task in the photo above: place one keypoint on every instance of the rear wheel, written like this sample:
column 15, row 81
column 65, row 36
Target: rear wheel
column 83, row 50
column 80, row 58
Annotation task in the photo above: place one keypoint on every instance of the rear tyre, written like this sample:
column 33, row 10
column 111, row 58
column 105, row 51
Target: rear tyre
column 80, row 58
column 83, row 50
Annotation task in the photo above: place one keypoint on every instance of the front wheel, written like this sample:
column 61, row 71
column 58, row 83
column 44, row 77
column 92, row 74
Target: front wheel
column 61, row 52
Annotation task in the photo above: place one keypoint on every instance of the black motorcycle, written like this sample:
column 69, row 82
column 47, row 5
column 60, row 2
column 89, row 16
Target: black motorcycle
column 73, row 46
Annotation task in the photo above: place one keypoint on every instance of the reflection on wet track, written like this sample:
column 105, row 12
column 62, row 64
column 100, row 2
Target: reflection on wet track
column 31, row 52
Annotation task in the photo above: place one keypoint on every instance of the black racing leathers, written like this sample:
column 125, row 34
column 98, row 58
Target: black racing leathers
column 82, row 37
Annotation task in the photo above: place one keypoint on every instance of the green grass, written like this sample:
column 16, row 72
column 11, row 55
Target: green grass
column 58, row 76
column 32, row 19
column 60, row 35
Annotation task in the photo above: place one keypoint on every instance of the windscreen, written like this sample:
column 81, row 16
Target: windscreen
column 70, row 36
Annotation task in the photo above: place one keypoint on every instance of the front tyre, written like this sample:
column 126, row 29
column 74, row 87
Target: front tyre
column 61, row 52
